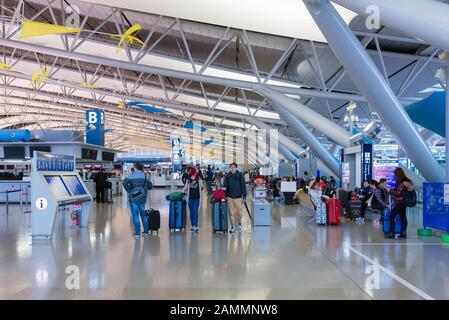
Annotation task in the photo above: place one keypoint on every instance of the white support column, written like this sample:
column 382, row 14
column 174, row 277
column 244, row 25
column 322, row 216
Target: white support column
column 371, row 83
column 427, row 20
column 333, row 131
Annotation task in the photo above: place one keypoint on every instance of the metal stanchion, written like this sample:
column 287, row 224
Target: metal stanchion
column 7, row 202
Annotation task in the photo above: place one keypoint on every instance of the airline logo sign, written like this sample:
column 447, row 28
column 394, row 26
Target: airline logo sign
column 95, row 127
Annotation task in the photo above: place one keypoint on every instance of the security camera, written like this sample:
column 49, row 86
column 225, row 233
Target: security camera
column 371, row 131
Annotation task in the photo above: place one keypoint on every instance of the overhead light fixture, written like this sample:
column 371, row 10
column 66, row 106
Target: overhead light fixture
column 443, row 56
column 441, row 74
column 351, row 118
column 351, row 106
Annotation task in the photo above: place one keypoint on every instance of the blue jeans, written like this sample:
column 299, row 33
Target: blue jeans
column 194, row 205
column 138, row 209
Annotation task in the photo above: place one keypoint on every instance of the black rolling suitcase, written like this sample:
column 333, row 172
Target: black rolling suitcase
column 154, row 220
column 219, row 216
column 354, row 209
column 108, row 195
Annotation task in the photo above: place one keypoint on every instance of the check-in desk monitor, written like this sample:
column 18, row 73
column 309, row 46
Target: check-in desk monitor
column 56, row 184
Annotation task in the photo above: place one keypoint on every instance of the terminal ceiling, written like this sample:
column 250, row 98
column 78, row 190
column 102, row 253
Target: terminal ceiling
column 277, row 46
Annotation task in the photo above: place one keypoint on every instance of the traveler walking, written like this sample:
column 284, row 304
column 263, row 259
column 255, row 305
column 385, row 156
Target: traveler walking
column 100, row 185
column 209, row 179
column 137, row 186
column 235, row 187
column 403, row 184
column 193, row 189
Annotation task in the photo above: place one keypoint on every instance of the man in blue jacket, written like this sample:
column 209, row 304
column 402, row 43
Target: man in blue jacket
column 234, row 184
column 137, row 186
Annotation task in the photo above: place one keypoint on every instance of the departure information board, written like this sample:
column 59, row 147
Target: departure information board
column 54, row 162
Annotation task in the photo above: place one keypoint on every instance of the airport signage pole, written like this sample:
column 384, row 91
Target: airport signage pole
column 447, row 118
column 371, row 83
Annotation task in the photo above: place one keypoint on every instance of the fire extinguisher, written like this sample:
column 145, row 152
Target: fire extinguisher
column 75, row 218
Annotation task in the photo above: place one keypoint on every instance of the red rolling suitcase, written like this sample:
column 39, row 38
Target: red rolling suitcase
column 333, row 211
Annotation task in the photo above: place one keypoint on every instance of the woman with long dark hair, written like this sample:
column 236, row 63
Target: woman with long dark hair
column 398, row 193
column 193, row 188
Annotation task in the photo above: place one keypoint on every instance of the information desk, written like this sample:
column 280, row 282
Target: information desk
column 54, row 185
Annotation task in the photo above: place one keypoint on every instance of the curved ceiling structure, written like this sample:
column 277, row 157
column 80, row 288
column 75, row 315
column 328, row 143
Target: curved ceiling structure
column 193, row 64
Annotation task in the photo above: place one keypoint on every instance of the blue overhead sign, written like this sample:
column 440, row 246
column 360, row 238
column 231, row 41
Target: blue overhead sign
column 95, row 127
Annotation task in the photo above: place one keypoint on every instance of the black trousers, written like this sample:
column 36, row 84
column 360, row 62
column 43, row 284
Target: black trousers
column 400, row 209
column 363, row 209
column 100, row 195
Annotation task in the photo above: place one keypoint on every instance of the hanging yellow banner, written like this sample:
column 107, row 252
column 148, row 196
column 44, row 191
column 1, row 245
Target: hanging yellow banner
column 130, row 36
column 35, row 29
column 39, row 76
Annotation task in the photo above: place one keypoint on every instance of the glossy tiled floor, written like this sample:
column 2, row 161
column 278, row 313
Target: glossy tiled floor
column 289, row 260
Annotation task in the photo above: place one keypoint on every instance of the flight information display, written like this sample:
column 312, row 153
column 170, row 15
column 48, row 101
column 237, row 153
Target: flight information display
column 74, row 185
column 57, row 187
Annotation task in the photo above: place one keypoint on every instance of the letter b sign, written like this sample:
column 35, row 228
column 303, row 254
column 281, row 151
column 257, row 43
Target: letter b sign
column 92, row 117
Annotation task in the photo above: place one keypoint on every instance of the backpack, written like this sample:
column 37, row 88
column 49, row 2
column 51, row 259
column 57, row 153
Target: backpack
column 410, row 198
column 174, row 196
column 138, row 194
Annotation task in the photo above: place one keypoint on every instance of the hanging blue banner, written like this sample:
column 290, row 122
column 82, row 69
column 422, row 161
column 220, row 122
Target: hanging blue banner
column 95, row 127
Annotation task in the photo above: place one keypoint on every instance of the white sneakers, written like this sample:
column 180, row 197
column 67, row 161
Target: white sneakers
column 240, row 228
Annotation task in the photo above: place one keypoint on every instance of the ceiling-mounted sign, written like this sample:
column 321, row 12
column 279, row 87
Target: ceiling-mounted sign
column 95, row 127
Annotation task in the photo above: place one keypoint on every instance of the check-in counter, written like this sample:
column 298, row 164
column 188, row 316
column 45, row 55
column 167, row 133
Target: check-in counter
column 116, row 186
column 12, row 185
column 159, row 180
column 91, row 187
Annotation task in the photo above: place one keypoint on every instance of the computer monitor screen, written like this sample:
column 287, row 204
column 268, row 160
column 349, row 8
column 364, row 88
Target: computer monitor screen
column 39, row 148
column 12, row 152
column 57, row 187
column 90, row 154
column 93, row 154
column 107, row 156
column 74, row 185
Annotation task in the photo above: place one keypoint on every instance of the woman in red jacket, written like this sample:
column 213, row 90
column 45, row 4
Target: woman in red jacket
column 398, row 194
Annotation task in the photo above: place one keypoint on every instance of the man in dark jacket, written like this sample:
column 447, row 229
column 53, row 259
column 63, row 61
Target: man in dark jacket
column 100, row 184
column 137, row 186
column 209, row 179
column 234, row 184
